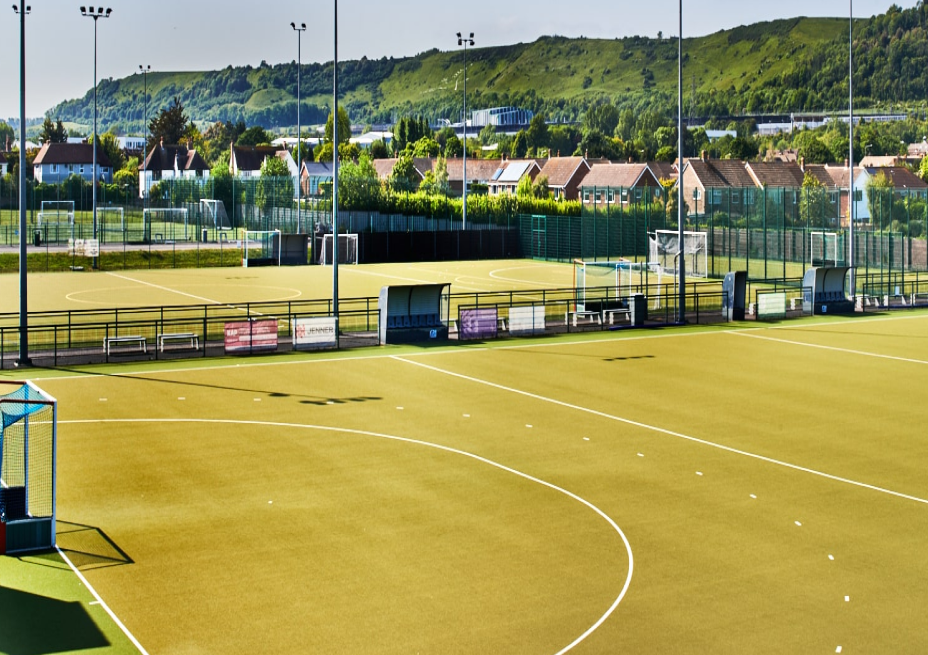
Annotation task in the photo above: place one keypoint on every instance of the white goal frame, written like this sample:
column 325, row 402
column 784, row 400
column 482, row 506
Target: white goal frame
column 825, row 244
column 215, row 210
column 119, row 211
column 53, row 206
column 260, row 241
column 664, row 248
column 347, row 243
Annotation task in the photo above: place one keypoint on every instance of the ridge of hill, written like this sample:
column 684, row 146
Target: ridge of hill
column 797, row 64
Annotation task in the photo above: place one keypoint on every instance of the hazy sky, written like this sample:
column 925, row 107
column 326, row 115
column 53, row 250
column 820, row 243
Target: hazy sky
column 173, row 35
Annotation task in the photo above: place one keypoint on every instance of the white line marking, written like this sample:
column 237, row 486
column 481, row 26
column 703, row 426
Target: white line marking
column 94, row 602
column 849, row 351
column 106, row 607
column 183, row 293
column 671, row 433
column 417, row 442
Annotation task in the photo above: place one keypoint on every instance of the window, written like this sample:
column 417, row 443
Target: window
column 716, row 197
column 858, row 195
column 638, row 194
column 833, row 197
column 81, row 171
column 749, row 196
column 735, row 196
column 586, row 196
column 54, row 168
column 611, row 195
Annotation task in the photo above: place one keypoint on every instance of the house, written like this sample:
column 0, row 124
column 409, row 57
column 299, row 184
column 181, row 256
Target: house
column 421, row 165
column 246, row 161
column 479, row 171
column 835, row 178
column 620, row 183
column 717, row 185
column 881, row 161
column 171, row 162
column 510, row 173
column 904, row 184
column 775, row 174
column 313, row 175
column 565, row 175
column 57, row 161
column 3, row 164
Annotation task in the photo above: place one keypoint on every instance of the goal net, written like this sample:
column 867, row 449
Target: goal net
column 665, row 247
column 27, row 467
column 347, row 249
column 214, row 213
column 599, row 281
column 165, row 223
column 112, row 218
column 55, row 212
column 823, row 248
column 261, row 248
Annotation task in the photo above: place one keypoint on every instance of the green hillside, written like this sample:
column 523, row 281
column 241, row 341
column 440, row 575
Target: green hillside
column 781, row 66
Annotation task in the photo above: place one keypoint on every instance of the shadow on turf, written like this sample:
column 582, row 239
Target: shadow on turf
column 88, row 547
column 35, row 625
column 307, row 400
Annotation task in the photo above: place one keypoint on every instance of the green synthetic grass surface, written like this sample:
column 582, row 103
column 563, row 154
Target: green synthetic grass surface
column 769, row 480
column 111, row 289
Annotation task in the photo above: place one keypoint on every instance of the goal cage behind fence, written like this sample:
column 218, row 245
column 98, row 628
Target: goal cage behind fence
column 162, row 223
column 347, row 249
column 112, row 219
column 665, row 246
column 27, row 468
column 611, row 280
column 214, row 213
column 823, row 248
column 261, row 248
column 55, row 213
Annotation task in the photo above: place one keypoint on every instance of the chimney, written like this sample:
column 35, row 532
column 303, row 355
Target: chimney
column 162, row 141
column 845, row 162
column 703, row 155
column 586, row 154
column 802, row 164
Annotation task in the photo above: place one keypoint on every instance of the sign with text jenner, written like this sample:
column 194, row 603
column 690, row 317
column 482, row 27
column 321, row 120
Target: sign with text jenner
column 251, row 336
column 311, row 333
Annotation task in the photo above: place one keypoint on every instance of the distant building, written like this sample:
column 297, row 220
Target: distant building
column 58, row 161
column 170, row 162
column 3, row 164
column 501, row 117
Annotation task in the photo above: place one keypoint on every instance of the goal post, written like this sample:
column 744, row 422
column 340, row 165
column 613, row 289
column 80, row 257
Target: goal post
column 155, row 219
column 261, row 248
column 214, row 212
column 823, row 248
column 347, row 249
column 27, row 468
column 665, row 246
column 112, row 218
column 617, row 279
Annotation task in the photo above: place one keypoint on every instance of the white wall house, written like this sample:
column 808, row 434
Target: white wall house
column 171, row 162
column 56, row 162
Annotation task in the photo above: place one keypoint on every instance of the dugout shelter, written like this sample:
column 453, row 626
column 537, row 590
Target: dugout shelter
column 414, row 313
column 823, row 290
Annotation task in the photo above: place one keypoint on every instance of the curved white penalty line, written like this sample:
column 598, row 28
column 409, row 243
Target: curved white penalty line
column 379, row 435
column 493, row 274
column 671, row 433
column 125, row 630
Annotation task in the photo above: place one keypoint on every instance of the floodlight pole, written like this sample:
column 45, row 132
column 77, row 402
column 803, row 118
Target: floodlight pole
column 23, row 268
column 145, row 70
column 299, row 158
column 95, row 13
column 681, row 317
column 335, row 175
column 465, row 41
column 850, row 162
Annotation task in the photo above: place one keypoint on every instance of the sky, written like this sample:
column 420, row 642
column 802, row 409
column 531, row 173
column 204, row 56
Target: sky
column 184, row 35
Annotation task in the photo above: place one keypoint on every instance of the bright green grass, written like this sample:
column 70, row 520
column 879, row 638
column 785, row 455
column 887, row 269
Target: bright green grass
column 304, row 503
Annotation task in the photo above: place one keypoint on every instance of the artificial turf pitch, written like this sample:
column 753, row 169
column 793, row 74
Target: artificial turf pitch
column 728, row 489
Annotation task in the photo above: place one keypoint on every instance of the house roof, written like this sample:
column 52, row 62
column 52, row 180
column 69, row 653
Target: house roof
column 250, row 158
column 316, row 169
column 615, row 175
column 663, row 170
column 510, row 172
column 561, row 170
column 169, row 158
column 478, row 170
column 878, row 161
column 901, row 178
column 721, row 173
column 70, row 153
column 775, row 174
